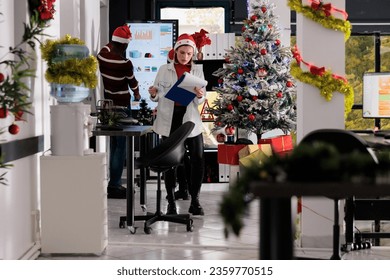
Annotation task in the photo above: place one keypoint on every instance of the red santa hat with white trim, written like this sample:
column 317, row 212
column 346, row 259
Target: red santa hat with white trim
column 122, row 34
column 185, row 40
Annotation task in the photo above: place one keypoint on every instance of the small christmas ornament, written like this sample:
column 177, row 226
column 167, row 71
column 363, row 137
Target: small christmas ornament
column 253, row 43
column 240, row 71
column 263, row 9
column 13, row 129
column 247, row 39
column 255, row 97
column 251, row 117
column 230, row 107
column 289, row 84
column 220, row 81
column 253, row 18
column 239, row 98
column 279, row 94
column 229, row 130
column 263, row 51
column 3, row 113
column 18, row 115
column 262, row 72
column 1, row 77
column 277, row 42
column 218, row 124
column 270, row 26
column 221, row 138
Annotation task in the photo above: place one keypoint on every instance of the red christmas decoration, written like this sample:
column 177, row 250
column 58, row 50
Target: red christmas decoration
column 263, row 9
column 13, row 129
column 254, row 98
column 277, row 42
column 253, row 18
column 221, row 138
column 239, row 98
column 230, row 107
column 3, row 113
column 218, row 123
column 1, row 77
column 263, row 51
column 240, row 71
column 229, row 130
column 262, row 72
column 201, row 39
column 18, row 116
column 289, row 84
column 220, row 81
column 251, row 117
column 279, row 94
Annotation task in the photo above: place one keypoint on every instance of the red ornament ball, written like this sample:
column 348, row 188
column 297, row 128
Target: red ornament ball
column 2, row 77
column 218, row 124
column 253, row 43
column 230, row 107
column 253, row 18
column 251, row 117
column 247, row 39
column 270, row 26
column 289, row 84
column 240, row 71
column 13, row 129
column 263, row 9
column 3, row 113
column 263, row 51
column 254, row 98
column 262, row 72
column 18, row 115
column 221, row 138
column 279, row 94
column 229, row 130
column 239, row 98
column 277, row 42
column 220, row 81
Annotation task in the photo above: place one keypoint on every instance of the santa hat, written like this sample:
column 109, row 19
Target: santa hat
column 185, row 40
column 122, row 34
column 171, row 55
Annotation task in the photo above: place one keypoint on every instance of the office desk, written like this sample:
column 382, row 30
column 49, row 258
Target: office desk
column 129, row 132
column 276, row 240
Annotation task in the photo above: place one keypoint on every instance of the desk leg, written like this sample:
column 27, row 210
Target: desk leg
column 336, row 232
column 276, row 240
column 142, row 182
column 130, row 183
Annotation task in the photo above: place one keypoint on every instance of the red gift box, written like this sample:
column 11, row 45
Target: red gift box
column 280, row 144
column 228, row 153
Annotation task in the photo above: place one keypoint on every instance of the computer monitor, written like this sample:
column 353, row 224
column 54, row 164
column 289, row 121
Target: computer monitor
column 148, row 50
column 376, row 95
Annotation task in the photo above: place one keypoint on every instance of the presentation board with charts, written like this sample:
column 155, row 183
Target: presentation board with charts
column 376, row 95
column 148, row 50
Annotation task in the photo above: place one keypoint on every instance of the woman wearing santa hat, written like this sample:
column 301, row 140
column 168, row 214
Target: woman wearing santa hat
column 170, row 115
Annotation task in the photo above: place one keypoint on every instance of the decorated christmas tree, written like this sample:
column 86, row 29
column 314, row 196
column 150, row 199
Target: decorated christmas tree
column 256, row 91
column 145, row 114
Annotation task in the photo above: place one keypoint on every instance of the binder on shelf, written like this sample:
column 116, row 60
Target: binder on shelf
column 210, row 51
column 222, row 45
column 183, row 91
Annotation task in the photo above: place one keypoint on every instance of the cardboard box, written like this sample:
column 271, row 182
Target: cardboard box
column 279, row 144
column 251, row 153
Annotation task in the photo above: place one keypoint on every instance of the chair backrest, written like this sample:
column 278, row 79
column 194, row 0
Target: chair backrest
column 343, row 140
column 169, row 152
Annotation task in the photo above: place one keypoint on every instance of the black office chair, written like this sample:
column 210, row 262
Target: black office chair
column 165, row 156
column 345, row 142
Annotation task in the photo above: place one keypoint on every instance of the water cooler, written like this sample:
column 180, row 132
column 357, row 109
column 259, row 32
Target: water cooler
column 70, row 129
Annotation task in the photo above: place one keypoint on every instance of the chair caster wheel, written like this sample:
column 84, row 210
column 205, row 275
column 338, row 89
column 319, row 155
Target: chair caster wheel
column 368, row 245
column 190, row 226
column 132, row 230
column 122, row 223
column 148, row 230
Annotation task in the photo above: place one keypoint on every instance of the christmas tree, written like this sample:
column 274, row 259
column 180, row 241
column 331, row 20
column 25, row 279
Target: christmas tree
column 145, row 114
column 256, row 91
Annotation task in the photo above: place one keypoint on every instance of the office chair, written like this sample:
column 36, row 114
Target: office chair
column 345, row 142
column 168, row 154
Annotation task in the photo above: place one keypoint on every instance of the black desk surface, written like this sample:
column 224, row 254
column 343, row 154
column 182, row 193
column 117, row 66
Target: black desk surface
column 131, row 130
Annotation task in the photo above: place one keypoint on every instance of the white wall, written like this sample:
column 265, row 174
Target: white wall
column 19, row 199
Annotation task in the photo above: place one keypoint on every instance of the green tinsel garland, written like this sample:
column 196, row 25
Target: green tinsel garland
column 72, row 71
column 319, row 17
column 327, row 84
